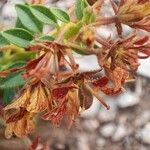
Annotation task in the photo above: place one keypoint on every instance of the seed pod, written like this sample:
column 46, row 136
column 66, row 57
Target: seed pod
column 85, row 97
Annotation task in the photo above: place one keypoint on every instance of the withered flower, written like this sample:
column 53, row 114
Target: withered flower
column 41, row 74
column 56, row 87
column 132, row 12
column 70, row 99
column 21, row 127
column 33, row 100
column 142, row 24
column 124, row 53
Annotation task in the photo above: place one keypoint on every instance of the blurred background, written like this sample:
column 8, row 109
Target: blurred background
column 126, row 126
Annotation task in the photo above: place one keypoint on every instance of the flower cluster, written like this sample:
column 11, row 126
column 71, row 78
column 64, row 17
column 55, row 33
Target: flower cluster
column 56, row 88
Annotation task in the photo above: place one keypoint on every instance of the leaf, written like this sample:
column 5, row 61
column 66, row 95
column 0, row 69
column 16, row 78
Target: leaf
column 80, row 52
column 43, row 14
column 79, row 7
column 72, row 30
column 13, row 80
column 8, row 95
column 88, row 16
column 47, row 38
column 20, row 25
column 3, row 40
column 60, row 15
column 19, row 37
column 17, row 64
column 28, row 19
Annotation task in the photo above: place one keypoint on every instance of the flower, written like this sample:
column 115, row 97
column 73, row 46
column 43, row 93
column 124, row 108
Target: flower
column 73, row 94
column 33, row 99
column 20, row 127
column 124, row 53
column 133, row 10
column 19, row 115
column 133, row 13
column 142, row 24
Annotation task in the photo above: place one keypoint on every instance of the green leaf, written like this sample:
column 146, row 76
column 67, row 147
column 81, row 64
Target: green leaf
column 13, row 80
column 17, row 64
column 20, row 25
column 27, row 19
column 47, row 38
column 3, row 40
column 72, row 30
column 43, row 14
column 8, row 95
column 88, row 16
column 19, row 37
column 81, row 52
column 60, row 15
column 79, row 7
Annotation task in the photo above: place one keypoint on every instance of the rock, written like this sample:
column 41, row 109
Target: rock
column 15, row 144
column 100, row 142
column 108, row 130
column 142, row 119
column 83, row 142
column 91, row 124
column 84, row 64
column 120, row 133
column 144, row 67
column 127, row 99
column 107, row 115
column 144, row 134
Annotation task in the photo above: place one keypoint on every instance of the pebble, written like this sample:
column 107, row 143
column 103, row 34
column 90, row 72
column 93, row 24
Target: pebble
column 91, row 124
column 108, row 130
column 107, row 116
column 127, row 99
column 120, row 133
column 144, row 134
column 142, row 119
column 100, row 142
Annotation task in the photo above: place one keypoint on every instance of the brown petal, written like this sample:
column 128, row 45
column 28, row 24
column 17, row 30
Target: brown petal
column 16, row 116
column 21, row 101
column 38, row 100
column 85, row 97
column 101, row 82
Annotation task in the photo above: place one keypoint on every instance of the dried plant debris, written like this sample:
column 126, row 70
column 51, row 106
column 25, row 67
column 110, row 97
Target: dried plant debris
column 49, row 81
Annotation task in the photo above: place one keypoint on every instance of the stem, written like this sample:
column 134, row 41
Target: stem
column 96, row 95
column 105, row 21
column 103, row 41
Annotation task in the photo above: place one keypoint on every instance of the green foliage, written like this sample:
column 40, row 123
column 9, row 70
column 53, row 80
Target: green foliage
column 3, row 40
column 60, row 14
column 43, row 14
column 88, row 16
column 20, row 25
column 19, row 37
column 72, row 30
column 46, row 38
column 79, row 8
column 13, row 80
column 8, row 95
column 27, row 19
column 28, row 29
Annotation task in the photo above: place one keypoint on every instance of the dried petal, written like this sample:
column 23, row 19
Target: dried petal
column 101, row 82
column 85, row 97
column 38, row 100
column 21, row 127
